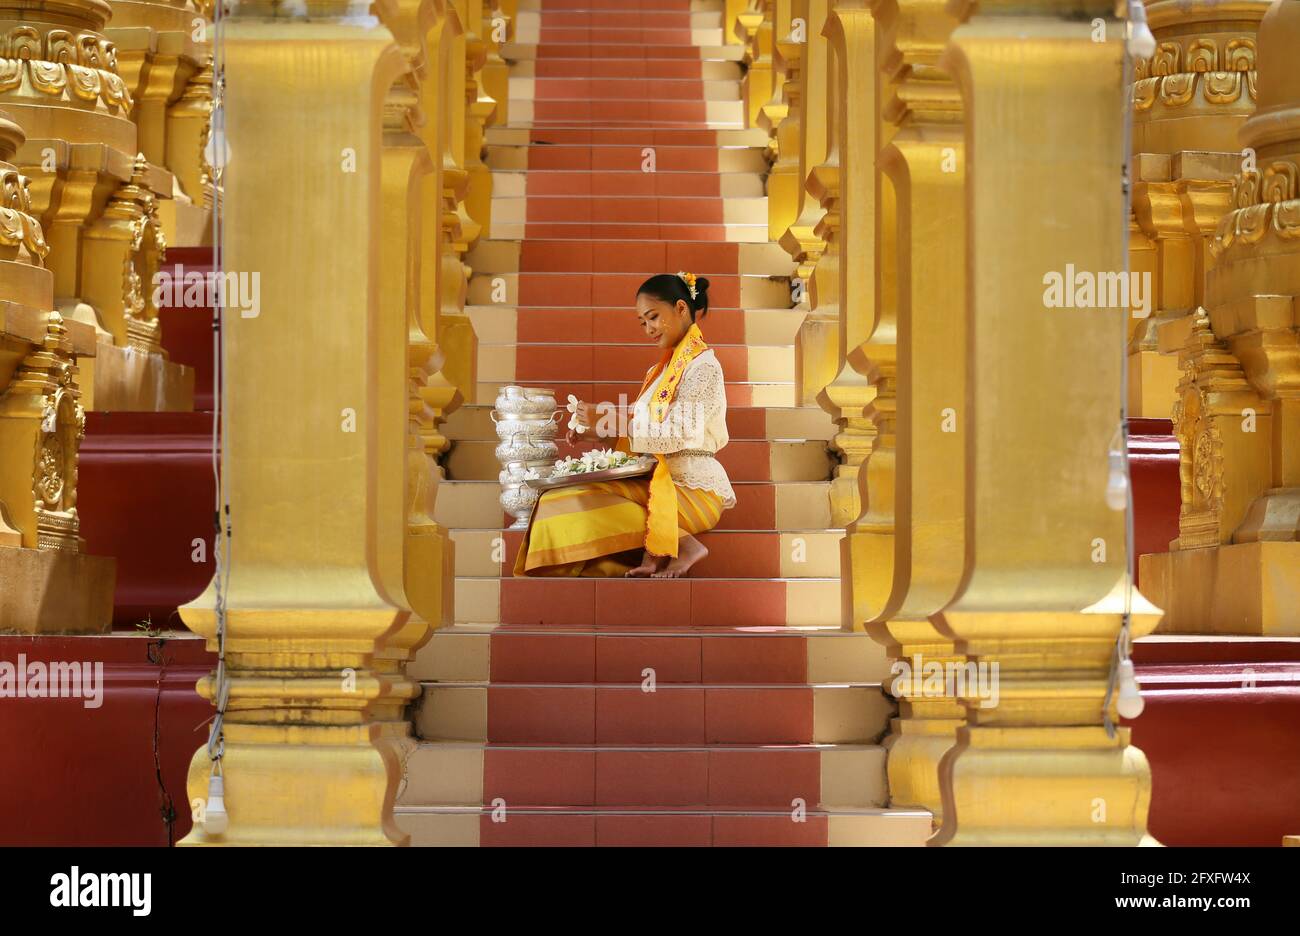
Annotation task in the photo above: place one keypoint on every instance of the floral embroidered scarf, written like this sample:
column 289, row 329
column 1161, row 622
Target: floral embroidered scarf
column 661, row 513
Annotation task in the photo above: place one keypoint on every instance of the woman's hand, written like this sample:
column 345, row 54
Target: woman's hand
column 585, row 415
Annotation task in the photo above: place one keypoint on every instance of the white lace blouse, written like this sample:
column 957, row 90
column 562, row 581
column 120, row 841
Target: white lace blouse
column 694, row 427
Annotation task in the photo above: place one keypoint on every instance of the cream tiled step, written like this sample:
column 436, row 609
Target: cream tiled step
column 673, row 714
column 473, row 507
column 554, row 361
column 695, row 6
column 473, row 422
column 744, row 158
column 498, row 256
column 741, row 553
column 698, row 602
column 726, row 185
column 499, row 324
column 744, row 460
column 740, row 188
column 473, row 826
column 478, row 653
column 467, row 773
column 755, row 291
column 738, row 393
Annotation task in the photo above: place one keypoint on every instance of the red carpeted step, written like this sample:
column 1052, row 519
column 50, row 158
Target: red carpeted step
column 673, row 69
column 729, row 656
column 721, row 776
column 672, row 714
column 611, row 159
column 622, row 136
column 620, row 89
column 610, row 50
column 631, row 208
column 630, row 603
column 610, row 289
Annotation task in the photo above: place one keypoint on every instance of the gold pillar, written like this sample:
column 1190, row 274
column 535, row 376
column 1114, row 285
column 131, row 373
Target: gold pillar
column 860, row 398
column 314, row 453
column 456, row 231
column 817, row 343
column 925, row 165
column 49, row 584
column 1233, row 566
column 755, row 24
column 780, row 117
column 1043, row 592
column 407, row 163
column 1190, row 100
column 497, row 25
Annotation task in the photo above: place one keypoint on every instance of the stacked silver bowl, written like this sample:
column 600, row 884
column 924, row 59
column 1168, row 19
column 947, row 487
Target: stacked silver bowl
column 527, row 421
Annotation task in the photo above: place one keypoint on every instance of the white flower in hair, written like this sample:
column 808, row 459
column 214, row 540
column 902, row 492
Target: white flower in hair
column 689, row 280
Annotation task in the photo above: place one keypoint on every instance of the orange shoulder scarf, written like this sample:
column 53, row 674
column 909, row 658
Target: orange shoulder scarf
column 661, row 513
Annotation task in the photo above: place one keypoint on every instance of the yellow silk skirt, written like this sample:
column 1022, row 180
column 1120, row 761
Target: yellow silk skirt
column 599, row 529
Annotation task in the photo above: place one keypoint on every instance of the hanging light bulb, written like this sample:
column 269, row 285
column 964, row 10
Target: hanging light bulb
column 1141, row 43
column 1130, row 703
column 1117, row 478
column 215, row 819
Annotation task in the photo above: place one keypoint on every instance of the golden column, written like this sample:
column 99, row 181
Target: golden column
column 817, row 343
column 498, row 20
column 95, row 195
column 924, row 162
column 755, row 25
column 1190, row 100
column 1233, row 567
column 780, row 116
column 407, row 163
column 50, row 585
column 164, row 48
column 1043, row 594
column 315, row 448
column 446, row 105
column 861, row 398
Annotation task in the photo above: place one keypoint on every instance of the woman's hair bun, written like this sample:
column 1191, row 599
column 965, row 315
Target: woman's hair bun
column 671, row 288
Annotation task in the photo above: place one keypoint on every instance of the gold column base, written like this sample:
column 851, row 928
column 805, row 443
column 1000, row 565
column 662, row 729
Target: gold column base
column 916, row 745
column 127, row 380
column 50, row 591
column 1045, row 786
column 1152, row 384
column 1246, row 588
column 296, row 785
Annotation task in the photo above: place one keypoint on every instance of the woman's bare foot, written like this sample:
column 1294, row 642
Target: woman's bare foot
column 649, row 565
column 689, row 551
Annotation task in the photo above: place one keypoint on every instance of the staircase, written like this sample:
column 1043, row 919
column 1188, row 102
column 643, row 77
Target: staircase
column 722, row 709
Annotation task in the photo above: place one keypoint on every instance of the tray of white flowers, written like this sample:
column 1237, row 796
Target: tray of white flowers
column 593, row 466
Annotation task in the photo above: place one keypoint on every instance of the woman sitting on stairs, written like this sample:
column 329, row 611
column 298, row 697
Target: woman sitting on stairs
column 680, row 417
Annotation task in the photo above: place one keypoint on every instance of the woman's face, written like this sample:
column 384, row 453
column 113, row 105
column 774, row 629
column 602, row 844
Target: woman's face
column 664, row 324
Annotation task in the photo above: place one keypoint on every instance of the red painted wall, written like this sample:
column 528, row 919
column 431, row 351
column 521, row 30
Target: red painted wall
column 112, row 775
column 1224, row 754
column 1153, row 467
